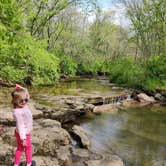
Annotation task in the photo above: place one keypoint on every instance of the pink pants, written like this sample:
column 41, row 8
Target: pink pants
column 21, row 148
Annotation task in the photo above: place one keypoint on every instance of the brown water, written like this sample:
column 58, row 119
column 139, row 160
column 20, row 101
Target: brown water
column 137, row 135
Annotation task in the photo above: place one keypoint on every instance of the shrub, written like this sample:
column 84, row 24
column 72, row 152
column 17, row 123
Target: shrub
column 147, row 75
column 12, row 74
column 43, row 67
column 156, row 67
column 125, row 71
column 68, row 66
column 91, row 65
column 28, row 57
column 155, row 73
column 20, row 54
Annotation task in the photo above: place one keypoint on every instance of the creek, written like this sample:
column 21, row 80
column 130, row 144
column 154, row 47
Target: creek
column 135, row 134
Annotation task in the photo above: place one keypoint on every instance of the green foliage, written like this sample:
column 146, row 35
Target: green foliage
column 155, row 73
column 106, row 67
column 20, row 54
column 68, row 65
column 91, row 65
column 126, row 72
column 149, row 75
column 10, row 20
column 42, row 66
column 44, row 39
column 149, row 25
column 146, row 71
column 106, row 38
column 156, row 67
column 12, row 74
column 27, row 58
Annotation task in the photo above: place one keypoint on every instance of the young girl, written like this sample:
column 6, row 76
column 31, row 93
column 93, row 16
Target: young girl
column 23, row 117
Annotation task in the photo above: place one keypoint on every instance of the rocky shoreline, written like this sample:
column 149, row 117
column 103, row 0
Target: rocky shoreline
column 52, row 144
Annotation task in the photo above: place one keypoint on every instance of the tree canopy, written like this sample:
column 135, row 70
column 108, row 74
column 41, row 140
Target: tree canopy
column 42, row 40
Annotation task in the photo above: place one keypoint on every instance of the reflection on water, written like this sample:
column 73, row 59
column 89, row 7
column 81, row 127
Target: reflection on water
column 137, row 135
column 78, row 87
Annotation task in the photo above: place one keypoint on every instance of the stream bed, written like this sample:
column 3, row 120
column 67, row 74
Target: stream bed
column 137, row 135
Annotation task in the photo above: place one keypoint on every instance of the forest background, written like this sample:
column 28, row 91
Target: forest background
column 44, row 40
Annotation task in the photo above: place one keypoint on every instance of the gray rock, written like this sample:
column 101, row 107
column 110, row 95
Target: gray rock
column 46, row 141
column 142, row 97
column 106, row 161
column 105, row 108
column 6, row 154
column 50, row 123
column 46, row 161
column 35, row 112
column 159, row 163
column 79, row 131
column 79, row 152
column 159, row 97
column 63, row 153
column 7, row 117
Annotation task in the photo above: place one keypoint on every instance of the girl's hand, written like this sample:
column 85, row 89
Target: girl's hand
column 24, row 142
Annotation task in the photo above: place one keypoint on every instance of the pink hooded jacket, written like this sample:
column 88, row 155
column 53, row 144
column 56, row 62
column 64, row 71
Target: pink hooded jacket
column 23, row 117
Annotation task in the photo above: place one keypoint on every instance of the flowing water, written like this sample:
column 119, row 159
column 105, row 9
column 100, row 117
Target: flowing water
column 137, row 135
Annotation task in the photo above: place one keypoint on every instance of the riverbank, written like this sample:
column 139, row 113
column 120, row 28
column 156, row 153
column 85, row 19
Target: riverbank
column 158, row 94
column 52, row 144
column 59, row 106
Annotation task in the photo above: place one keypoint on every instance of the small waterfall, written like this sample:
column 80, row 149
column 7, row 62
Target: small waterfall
column 129, row 97
column 116, row 100
column 103, row 100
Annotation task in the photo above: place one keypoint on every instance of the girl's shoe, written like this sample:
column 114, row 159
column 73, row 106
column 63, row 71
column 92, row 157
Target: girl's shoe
column 33, row 163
